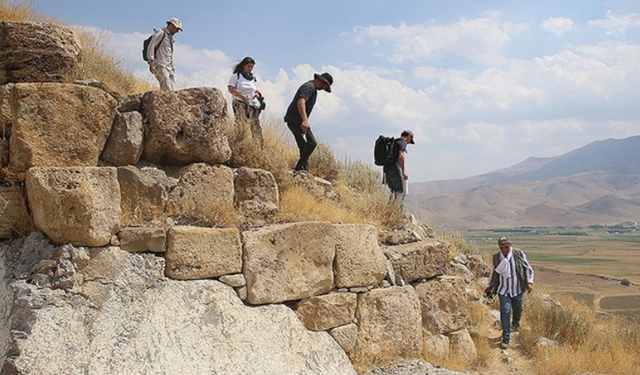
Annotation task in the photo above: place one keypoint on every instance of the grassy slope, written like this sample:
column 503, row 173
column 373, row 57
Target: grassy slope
column 611, row 347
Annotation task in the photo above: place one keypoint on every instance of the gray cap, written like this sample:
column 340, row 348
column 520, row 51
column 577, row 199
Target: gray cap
column 503, row 240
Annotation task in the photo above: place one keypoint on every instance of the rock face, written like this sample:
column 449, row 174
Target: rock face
column 13, row 211
column 5, row 110
column 186, row 126
column 443, row 302
column 58, row 125
column 124, row 145
column 203, row 195
column 289, row 261
column 328, row 311
column 80, row 206
column 359, row 260
column 201, row 253
column 144, row 195
column 37, row 52
column 256, row 192
column 419, row 260
column 125, row 318
column 462, row 346
column 388, row 321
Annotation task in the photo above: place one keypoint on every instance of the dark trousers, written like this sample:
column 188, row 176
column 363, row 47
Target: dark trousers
column 508, row 305
column 306, row 144
column 246, row 113
column 393, row 175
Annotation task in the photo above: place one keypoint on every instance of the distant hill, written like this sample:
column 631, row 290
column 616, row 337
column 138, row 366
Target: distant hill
column 595, row 184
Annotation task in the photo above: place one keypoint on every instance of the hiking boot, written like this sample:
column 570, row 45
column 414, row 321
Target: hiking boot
column 504, row 344
column 515, row 329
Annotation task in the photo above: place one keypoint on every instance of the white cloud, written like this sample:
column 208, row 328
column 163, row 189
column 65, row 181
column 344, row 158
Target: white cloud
column 557, row 25
column 479, row 39
column 466, row 121
column 616, row 24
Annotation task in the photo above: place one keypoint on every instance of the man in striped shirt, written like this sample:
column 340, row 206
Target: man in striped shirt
column 511, row 276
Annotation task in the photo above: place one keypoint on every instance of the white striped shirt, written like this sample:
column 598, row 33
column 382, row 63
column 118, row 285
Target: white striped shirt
column 510, row 286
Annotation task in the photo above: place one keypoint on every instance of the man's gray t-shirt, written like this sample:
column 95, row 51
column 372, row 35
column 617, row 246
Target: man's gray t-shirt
column 309, row 93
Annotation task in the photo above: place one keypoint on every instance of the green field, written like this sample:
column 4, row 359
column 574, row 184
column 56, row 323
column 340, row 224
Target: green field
column 606, row 251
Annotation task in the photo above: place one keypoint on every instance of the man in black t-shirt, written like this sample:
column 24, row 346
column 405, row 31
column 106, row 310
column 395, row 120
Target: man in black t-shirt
column 297, row 117
column 395, row 172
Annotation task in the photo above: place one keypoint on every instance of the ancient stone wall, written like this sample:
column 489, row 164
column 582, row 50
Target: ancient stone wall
column 138, row 255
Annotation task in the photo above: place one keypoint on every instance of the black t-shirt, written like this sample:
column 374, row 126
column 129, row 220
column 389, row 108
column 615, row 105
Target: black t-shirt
column 309, row 93
column 398, row 144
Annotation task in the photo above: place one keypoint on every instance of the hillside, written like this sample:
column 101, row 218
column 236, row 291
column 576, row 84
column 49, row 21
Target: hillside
column 595, row 184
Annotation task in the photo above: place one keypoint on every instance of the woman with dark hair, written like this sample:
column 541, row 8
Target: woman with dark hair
column 247, row 101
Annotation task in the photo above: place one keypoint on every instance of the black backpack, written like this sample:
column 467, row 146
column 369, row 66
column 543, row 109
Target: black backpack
column 383, row 150
column 145, row 46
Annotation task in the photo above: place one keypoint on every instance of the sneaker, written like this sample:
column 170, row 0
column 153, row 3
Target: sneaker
column 515, row 329
column 504, row 344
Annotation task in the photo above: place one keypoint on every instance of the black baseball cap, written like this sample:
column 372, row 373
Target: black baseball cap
column 406, row 133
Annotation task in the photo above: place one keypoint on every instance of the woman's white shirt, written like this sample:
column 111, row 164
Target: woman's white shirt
column 242, row 85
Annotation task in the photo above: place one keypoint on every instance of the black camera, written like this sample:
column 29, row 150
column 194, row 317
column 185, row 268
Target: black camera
column 489, row 294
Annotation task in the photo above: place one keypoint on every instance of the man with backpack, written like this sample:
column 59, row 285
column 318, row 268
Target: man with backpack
column 297, row 117
column 511, row 276
column 159, row 54
column 394, row 169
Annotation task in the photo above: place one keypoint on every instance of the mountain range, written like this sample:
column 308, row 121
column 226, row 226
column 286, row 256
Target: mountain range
column 595, row 184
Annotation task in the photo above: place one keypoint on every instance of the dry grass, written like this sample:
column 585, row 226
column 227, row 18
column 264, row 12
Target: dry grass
column 362, row 198
column 297, row 204
column 458, row 244
column 98, row 63
column 485, row 351
column 19, row 12
column 586, row 344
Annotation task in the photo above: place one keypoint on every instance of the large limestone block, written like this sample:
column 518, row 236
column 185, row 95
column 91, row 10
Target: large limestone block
column 461, row 346
column 289, row 261
column 186, row 126
column 419, row 260
column 346, row 336
column 328, row 311
column 436, row 346
column 389, row 327
column 14, row 217
column 129, row 103
column 38, row 52
column 5, row 111
column 359, row 260
column 256, row 192
column 80, row 206
column 144, row 195
column 202, row 253
column 126, row 318
column 444, row 304
column 58, row 125
column 203, row 195
column 124, row 145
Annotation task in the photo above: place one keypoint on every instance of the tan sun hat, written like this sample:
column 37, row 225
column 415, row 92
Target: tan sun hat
column 176, row 22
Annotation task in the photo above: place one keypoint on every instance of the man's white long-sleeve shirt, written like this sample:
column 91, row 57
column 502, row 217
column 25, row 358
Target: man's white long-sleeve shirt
column 164, row 55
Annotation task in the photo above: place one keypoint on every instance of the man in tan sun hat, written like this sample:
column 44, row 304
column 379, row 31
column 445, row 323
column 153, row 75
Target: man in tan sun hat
column 160, row 54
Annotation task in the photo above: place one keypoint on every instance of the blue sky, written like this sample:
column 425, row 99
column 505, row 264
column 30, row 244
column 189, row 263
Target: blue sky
column 483, row 84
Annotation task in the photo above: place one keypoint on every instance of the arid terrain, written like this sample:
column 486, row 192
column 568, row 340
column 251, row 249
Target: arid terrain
column 605, row 295
column 596, row 184
column 590, row 265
